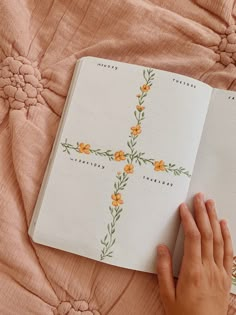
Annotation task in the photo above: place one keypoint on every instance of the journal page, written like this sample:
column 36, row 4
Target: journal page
column 215, row 169
column 123, row 163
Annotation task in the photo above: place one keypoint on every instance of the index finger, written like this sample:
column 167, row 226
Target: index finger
column 192, row 236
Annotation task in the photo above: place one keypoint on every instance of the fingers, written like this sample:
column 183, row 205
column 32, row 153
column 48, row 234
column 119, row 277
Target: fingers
column 218, row 242
column 165, row 275
column 204, row 226
column 192, row 237
column 207, row 239
column 228, row 247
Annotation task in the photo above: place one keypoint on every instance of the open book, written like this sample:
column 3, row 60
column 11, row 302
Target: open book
column 132, row 145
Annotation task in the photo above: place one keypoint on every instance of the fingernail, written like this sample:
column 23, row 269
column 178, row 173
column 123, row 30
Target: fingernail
column 200, row 198
column 161, row 250
column 225, row 223
column 211, row 204
column 183, row 207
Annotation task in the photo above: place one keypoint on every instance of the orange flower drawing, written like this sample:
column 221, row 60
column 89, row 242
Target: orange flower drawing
column 159, row 166
column 84, row 148
column 132, row 157
column 136, row 130
column 116, row 200
column 120, row 156
column 140, row 108
column 145, row 88
column 129, row 169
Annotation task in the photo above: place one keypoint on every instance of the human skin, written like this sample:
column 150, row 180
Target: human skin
column 204, row 282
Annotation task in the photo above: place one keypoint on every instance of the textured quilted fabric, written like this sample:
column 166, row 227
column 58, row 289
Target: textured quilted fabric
column 40, row 42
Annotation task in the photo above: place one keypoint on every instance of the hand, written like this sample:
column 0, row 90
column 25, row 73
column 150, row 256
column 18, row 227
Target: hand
column 204, row 281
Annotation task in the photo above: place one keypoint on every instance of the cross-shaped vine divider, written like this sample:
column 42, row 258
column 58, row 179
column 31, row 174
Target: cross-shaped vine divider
column 132, row 157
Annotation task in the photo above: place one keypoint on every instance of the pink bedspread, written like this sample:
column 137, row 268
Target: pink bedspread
column 40, row 41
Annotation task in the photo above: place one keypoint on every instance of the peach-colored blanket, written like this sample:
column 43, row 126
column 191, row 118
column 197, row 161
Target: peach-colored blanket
column 40, row 41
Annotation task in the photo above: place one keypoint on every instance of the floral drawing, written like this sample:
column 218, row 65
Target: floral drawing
column 84, row 148
column 119, row 156
column 131, row 157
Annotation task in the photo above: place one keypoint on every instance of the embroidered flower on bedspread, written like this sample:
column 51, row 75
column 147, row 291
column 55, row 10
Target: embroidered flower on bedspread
column 20, row 83
column 75, row 308
column 227, row 46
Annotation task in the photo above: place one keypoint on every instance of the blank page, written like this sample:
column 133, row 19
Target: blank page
column 215, row 169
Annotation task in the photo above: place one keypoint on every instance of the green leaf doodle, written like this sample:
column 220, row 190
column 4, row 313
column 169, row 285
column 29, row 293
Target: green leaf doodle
column 131, row 157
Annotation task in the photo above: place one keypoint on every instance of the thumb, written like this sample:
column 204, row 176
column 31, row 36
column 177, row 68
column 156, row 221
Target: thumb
column 165, row 274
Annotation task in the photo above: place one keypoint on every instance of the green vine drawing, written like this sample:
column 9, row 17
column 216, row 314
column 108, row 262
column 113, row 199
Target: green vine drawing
column 131, row 157
column 137, row 158
column 115, row 210
column 78, row 148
